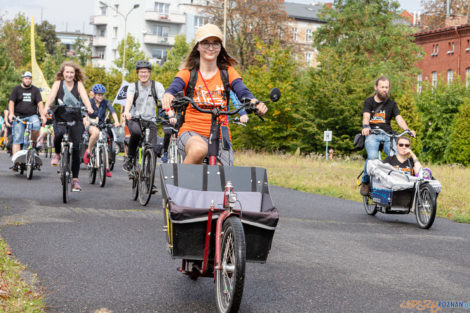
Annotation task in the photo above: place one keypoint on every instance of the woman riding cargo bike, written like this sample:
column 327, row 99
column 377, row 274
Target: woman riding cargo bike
column 212, row 228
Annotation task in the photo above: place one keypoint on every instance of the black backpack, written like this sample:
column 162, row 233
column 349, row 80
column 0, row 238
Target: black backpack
column 192, row 84
column 152, row 88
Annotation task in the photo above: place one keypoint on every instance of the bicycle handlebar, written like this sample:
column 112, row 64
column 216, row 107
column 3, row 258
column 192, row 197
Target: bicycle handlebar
column 377, row 131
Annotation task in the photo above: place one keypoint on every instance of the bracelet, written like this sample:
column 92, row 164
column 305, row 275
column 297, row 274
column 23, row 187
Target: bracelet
column 365, row 126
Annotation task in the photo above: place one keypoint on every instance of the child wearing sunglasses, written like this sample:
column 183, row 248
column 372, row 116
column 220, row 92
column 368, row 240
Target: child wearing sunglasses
column 405, row 160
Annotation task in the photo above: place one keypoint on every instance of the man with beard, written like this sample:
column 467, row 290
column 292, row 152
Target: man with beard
column 25, row 99
column 377, row 113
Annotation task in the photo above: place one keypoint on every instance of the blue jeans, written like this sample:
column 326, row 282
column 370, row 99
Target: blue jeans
column 19, row 128
column 372, row 144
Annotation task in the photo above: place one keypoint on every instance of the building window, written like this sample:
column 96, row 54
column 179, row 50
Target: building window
column 162, row 8
column 115, row 31
column 308, row 37
column 451, row 48
column 116, row 8
column 199, row 21
column 467, row 77
column 420, row 83
column 114, row 54
column 160, row 31
column 308, row 58
column 435, row 50
column 434, row 79
column 294, row 34
column 450, row 76
column 101, row 32
column 103, row 10
column 159, row 54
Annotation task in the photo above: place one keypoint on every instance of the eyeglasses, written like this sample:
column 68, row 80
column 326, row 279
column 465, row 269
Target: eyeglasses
column 206, row 44
column 406, row 145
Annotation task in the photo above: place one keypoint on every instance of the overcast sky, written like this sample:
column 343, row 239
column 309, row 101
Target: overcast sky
column 75, row 15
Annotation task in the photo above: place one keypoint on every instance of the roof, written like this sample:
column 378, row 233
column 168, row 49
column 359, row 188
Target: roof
column 441, row 30
column 309, row 12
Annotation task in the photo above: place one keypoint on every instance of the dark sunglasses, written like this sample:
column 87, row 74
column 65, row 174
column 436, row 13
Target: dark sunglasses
column 406, row 145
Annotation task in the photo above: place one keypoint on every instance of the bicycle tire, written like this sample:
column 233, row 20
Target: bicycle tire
column 64, row 173
column 91, row 171
column 369, row 206
column 135, row 181
column 102, row 167
column 230, row 279
column 426, row 206
column 112, row 156
column 147, row 176
column 29, row 164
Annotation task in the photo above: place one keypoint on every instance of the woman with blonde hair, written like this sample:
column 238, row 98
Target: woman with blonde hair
column 208, row 60
column 68, row 91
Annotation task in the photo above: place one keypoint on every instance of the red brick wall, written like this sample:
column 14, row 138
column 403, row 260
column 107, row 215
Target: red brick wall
column 458, row 61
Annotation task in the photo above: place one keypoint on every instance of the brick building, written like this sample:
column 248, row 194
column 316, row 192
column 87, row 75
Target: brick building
column 446, row 53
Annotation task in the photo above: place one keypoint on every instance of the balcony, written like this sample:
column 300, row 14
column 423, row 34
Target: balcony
column 97, row 62
column 170, row 18
column 99, row 20
column 99, row 41
column 159, row 40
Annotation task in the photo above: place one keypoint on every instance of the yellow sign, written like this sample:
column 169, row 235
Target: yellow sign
column 38, row 78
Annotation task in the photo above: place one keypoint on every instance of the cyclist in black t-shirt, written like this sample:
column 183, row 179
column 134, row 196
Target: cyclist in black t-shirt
column 378, row 112
column 405, row 160
column 25, row 100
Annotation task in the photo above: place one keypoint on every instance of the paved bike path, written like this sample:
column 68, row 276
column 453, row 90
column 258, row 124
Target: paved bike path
column 103, row 250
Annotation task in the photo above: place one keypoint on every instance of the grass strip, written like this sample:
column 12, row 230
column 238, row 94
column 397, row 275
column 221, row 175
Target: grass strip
column 16, row 294
column 337, row 178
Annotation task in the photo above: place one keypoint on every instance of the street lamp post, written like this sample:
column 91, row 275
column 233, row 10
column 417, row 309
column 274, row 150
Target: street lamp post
column 123, row 67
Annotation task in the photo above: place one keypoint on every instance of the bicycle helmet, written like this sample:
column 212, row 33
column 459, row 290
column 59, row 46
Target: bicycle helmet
column 143, row 64
column 98, row 88
column 27, row 74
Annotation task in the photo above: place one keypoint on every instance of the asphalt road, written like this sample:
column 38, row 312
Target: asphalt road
column 103, row 250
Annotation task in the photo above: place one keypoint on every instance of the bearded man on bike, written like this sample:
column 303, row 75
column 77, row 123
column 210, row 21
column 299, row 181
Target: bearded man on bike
column 142, row 98
column 25, row 100
column 377, row 113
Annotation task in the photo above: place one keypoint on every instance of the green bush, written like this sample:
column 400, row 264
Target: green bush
column 458, row 150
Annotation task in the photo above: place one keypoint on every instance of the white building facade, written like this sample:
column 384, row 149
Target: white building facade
column 154, row 24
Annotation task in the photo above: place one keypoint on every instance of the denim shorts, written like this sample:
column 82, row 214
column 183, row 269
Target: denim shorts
column 19, row 128
column 225, row 156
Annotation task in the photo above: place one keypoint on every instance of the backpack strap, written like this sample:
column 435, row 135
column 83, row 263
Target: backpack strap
column 225, row 81
column 154, row 91
column 136, row 93
column 191, row 83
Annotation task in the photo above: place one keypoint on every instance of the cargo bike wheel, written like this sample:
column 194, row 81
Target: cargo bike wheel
column 369, row 205
column 426, row 206
column 230, row 278
column 30, row 164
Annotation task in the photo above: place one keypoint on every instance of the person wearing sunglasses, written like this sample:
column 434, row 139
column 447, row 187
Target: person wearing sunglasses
column 405, row 160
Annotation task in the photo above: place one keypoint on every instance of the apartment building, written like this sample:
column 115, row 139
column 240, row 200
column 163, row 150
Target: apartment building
column 304, row 22
column 69, row 39
column 154, row 24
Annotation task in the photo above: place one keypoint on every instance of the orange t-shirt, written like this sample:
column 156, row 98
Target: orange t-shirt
column 195, row 120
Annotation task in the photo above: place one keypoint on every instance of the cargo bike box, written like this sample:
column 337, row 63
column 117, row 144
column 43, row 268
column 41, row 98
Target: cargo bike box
column 189, row 191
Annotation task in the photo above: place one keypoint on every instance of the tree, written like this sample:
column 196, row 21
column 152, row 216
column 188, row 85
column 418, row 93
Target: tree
column 16, row 35
column 458, row 150
column 435, row 11
column 175, row 56
column 247, row 20
column 8, row 76
column 46, row 31
column 133, row 54
column 280, row 129
column 438, row 107
column 82, row 51
column 360, row 42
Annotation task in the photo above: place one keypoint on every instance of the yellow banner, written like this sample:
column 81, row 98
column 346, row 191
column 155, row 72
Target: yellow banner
column 38, row 78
